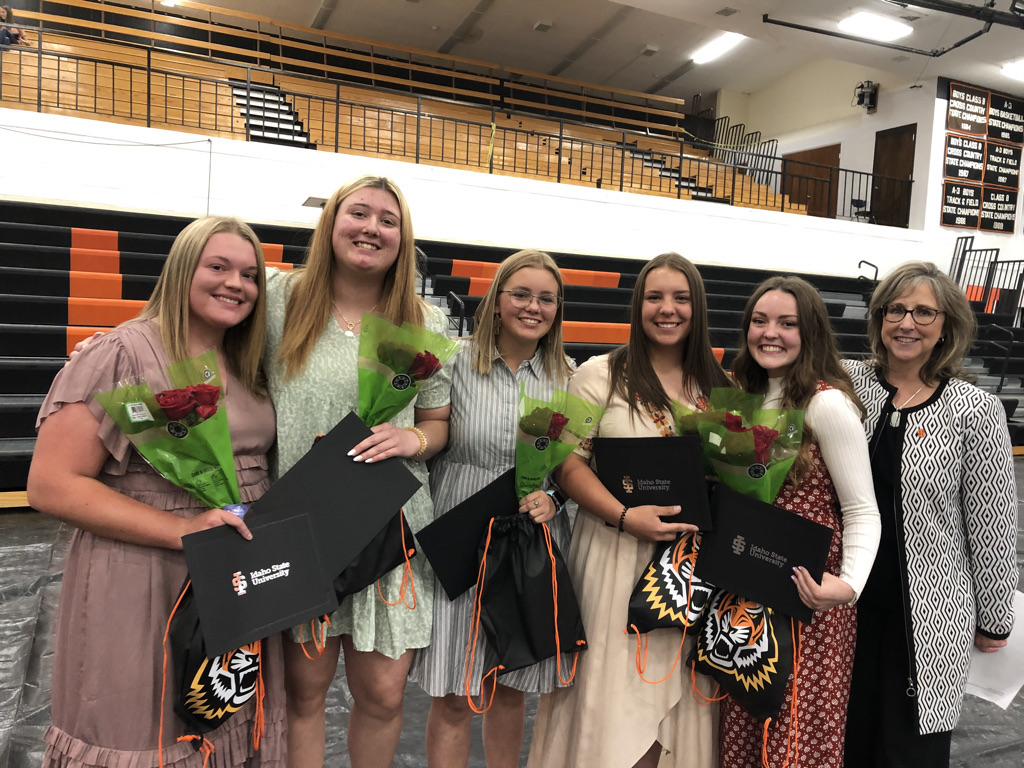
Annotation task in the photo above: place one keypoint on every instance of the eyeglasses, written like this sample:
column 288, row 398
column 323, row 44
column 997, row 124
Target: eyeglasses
column 523, row 299
column 894, row 313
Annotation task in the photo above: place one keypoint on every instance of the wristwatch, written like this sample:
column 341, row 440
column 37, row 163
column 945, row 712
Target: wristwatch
column 556, row 497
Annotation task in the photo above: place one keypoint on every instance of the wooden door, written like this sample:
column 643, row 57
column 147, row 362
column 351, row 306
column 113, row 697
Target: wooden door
column 894, row 171
column 809, row 178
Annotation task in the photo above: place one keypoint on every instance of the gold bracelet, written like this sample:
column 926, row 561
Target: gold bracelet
column 423, row 441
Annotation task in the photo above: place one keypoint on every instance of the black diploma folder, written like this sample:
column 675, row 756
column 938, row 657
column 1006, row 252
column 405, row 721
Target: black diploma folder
column 451, row 543
column 349, row 502
column 247, row 590
column 755, row 546
column 656, row 470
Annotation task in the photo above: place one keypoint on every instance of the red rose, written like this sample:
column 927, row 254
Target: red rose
column 204, row 394
column 734, row 422
column 763, row 439
column 424, row 366
column 176, row 403
column 206, row 411
column 558, row 422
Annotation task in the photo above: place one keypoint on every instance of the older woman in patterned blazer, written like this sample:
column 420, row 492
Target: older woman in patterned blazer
column 945, row 573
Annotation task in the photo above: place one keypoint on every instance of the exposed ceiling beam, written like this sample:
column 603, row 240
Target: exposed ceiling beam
column 592, row 39
column 465, row 30
column 326, row 9
column 984, row 13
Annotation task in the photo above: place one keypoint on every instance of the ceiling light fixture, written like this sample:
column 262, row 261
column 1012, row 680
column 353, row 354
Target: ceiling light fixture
column 718, row 47
column 874, row 27
column 1014, row 69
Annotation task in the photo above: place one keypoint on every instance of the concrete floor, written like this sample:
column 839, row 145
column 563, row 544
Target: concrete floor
column 32, row 549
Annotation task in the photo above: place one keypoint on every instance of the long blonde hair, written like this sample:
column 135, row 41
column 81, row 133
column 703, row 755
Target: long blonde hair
column 169, row 302
column 308, row 309
column 486, row 324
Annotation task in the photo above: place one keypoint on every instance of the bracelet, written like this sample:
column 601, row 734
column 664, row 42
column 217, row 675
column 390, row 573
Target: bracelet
column 622, row 519
column 423, row 441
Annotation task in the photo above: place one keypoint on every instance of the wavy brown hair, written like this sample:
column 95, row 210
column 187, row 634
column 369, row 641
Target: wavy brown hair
column 169, row 304
column 818, row 359
column 959, row 323
column 308, row 309
column 632, row 375
column 486, row 324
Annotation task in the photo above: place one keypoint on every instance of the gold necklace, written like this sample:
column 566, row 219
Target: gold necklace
column 350, row 325
column 895, row 418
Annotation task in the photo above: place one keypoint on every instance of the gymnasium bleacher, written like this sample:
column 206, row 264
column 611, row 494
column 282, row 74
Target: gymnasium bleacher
column 67, row 272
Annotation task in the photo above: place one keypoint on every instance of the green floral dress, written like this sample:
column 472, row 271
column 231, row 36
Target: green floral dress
column 311, row 404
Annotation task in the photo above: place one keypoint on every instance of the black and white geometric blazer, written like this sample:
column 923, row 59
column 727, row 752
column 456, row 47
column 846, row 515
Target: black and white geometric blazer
column 958, row 500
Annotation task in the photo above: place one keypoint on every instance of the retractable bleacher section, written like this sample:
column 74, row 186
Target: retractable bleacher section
column 66, row 272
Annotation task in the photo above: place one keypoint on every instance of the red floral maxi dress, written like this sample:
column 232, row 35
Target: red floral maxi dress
column 825, row 662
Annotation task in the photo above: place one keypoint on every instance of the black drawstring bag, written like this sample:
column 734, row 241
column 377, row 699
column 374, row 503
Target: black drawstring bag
column 669, row 593
column 523, row 595
column 749, row 650
column 209, row 691
column 390, row 548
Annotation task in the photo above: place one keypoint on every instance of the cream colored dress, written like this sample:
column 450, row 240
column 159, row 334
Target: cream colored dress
column 610, row 717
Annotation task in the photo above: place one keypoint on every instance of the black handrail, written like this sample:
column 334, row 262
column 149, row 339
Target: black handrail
column 864, row 262
column 1008, row 349
column 462, row 310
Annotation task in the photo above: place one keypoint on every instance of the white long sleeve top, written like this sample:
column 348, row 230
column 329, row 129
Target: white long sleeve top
column 844, row 448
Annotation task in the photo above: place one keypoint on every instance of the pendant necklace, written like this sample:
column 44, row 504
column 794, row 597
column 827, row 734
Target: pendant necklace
column 894, row 420
column 350, row 326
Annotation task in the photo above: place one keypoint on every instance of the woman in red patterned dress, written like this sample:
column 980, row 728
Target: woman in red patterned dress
column 789, row 354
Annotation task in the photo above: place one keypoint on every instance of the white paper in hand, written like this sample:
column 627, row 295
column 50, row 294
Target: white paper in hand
column 997, row 677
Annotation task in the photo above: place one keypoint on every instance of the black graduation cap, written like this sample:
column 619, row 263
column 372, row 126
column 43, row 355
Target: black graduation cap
column 755, row 546
column 349, row 502
column 451, row 543
column 656, row 470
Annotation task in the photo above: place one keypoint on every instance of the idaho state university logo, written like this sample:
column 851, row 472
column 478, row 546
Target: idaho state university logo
column 738, row 639
column 222, row 685
column 671, row 590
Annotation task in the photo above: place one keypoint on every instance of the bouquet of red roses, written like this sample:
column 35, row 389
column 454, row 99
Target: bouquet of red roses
column 181, row 432
column 394, row 361
column 548, row 431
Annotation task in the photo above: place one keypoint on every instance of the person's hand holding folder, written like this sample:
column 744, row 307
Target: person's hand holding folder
column 831, row 592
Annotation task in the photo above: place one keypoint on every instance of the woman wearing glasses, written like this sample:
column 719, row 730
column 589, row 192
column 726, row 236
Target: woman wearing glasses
column 516, row 342
column 945, row 573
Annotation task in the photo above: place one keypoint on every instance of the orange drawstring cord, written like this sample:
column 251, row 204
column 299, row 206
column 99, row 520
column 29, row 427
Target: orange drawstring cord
column 205, row 747
column 554, row 597
column 474, row 634
column 163, row 674
column 704, row 699
column 641, row 655
column 793, row 733
column 259, row 716
column 318, row 638
column 408, row 580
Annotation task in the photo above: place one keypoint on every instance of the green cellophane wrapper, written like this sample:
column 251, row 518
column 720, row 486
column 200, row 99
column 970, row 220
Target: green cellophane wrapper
column 394, row 361
column 181, row 432
column 547, row 432
column 751, row 449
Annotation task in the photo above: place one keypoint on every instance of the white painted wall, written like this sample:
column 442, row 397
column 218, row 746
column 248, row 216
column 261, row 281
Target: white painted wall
column 78, row 161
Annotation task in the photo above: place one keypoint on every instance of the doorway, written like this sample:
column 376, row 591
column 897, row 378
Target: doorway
column 893, row 171
column 809, row 178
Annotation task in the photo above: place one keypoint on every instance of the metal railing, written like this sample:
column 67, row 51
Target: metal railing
column 626, row 161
